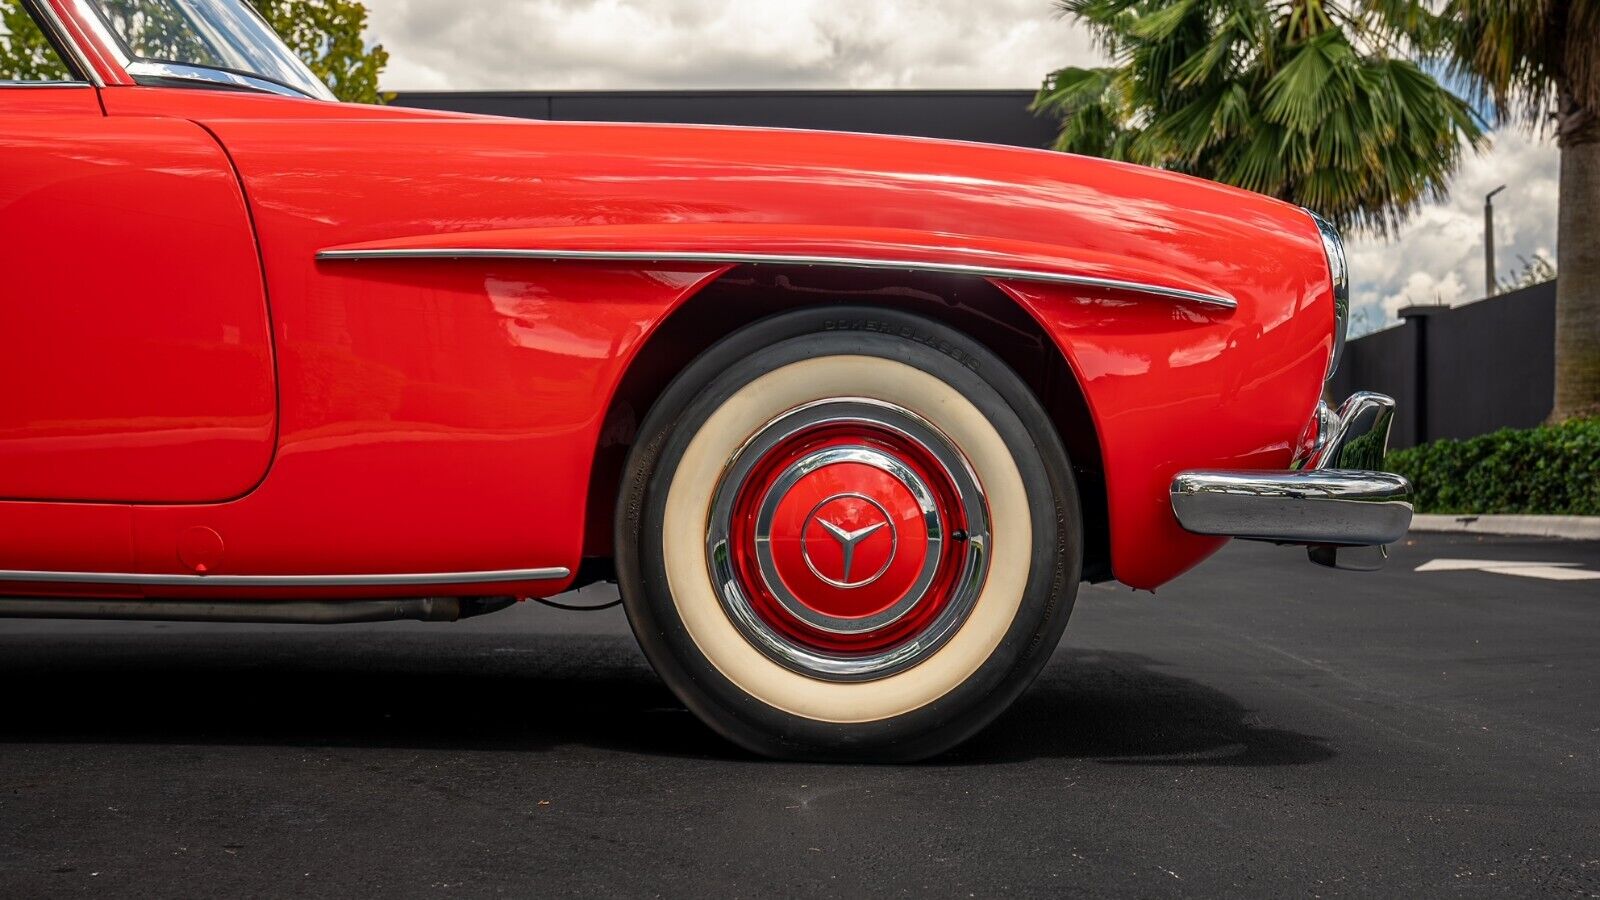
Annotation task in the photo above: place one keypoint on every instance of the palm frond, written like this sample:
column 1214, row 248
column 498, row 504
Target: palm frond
column 1313, row 101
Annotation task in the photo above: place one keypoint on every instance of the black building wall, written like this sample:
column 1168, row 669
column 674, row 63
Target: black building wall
column 1384, row 362
column 1456, row 372
column 995, row 117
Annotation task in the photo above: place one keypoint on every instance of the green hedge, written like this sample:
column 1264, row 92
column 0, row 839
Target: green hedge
column 1549, row 470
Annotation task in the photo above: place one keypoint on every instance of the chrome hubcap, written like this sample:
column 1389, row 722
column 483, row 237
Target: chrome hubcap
column 848, row 539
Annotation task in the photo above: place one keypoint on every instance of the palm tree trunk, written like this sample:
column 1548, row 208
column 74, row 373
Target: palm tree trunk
column 1578, row 255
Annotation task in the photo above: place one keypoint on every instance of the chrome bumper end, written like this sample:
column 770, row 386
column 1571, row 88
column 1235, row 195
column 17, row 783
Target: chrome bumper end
column 1327, row 506
column 1334, row 501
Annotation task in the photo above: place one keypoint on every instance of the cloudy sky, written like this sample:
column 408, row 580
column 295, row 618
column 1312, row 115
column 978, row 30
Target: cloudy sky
column 624, row 44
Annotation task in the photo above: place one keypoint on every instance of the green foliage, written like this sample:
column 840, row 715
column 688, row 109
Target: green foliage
column 25, row 54
column 1550, row 470
column 327, row 34
column 1315, row 102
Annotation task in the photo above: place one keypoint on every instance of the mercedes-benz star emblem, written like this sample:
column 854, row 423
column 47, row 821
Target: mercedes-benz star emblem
column 828, row 514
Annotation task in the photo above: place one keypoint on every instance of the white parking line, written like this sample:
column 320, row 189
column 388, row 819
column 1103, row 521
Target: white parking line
column 1550, row 571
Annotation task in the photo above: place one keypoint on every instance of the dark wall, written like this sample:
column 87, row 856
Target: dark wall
column 995, row 117
column 1383, row 362
column 1456, row 372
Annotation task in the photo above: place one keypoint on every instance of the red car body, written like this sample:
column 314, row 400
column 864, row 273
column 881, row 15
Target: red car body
column 258, row 337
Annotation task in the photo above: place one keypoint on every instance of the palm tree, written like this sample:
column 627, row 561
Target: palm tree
column 1313, row 101
column 1539, row 60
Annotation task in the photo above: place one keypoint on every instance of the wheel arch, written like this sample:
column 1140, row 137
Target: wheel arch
column 745, row 294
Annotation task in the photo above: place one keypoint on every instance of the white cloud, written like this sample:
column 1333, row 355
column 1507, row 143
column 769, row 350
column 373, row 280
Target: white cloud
column 1438, row 256
column 632, row 44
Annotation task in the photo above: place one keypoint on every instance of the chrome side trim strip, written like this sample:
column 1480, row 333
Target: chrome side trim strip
column 303, row 581
column 288, row 612
column 756, row 259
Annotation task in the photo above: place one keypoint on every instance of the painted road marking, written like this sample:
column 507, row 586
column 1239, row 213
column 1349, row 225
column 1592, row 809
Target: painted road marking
column 1550, row 571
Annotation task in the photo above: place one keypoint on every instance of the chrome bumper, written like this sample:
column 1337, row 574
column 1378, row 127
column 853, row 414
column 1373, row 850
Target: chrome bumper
column 1334, row 500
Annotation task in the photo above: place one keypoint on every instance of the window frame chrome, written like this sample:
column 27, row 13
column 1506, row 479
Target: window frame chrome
column 145, row 71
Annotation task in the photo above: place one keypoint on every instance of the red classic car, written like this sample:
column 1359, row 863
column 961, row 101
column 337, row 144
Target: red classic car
column 848, row 418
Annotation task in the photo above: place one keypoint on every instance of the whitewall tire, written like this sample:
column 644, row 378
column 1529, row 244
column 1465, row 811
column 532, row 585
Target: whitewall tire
column 848, row 532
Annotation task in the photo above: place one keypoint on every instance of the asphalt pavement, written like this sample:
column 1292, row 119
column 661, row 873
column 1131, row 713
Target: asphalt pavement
column 1261, row 726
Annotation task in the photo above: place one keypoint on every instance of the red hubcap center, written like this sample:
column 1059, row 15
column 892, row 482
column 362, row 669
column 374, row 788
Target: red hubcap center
column 841, row 538
column 848, row 540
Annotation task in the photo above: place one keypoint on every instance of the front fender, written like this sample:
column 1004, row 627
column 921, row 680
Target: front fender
column 1179, row 372
column 1182, row 387
column 1059, row 229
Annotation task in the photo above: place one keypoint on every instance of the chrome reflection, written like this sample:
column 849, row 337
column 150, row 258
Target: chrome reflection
column 1326, row 506
column 1335, row 497
column 1357, row 434
column 151, row 72
column 1339, row 273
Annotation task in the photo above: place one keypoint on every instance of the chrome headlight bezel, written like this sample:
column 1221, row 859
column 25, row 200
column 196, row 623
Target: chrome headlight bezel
column 1339, row 268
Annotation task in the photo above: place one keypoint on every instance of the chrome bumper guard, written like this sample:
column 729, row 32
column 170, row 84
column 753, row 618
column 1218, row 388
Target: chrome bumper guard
column 1335, row 501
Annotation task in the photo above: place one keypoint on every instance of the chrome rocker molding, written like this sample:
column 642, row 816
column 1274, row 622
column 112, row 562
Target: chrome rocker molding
column 757, row 259
column 291, row 612
column 1335, row 501
column 398, row 579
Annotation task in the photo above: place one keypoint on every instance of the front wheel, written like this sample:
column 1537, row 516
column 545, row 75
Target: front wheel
column 848, row 532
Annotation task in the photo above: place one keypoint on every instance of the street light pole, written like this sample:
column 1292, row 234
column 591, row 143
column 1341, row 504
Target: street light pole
column 1488, row 241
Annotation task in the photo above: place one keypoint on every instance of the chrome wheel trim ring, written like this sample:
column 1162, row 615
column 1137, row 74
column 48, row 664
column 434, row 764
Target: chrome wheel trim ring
column 967, row 585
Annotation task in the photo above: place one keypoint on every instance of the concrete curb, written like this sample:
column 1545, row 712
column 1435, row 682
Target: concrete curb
column 1579, row 528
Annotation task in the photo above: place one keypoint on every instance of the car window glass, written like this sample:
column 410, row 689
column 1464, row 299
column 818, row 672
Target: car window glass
column 216, row 34
column 25, row 53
